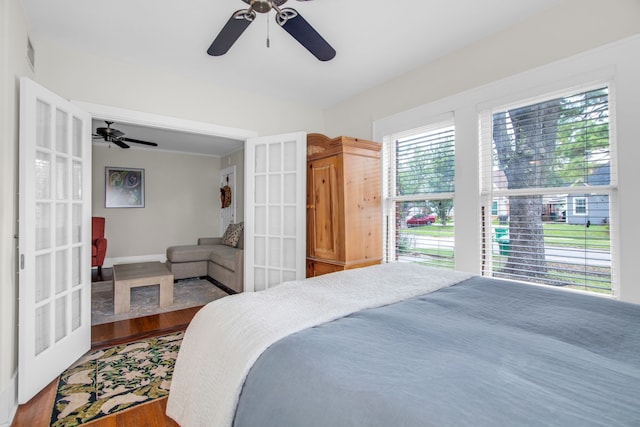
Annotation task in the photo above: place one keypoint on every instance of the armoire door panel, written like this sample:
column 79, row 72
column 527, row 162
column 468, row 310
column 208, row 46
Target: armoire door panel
column 324, row 209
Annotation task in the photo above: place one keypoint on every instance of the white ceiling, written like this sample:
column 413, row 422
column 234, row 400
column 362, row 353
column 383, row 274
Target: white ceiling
column 171, row 140
column 375, row 40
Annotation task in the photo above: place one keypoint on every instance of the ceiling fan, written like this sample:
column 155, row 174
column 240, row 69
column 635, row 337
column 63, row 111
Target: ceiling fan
column 287, row 18
column 110, row 134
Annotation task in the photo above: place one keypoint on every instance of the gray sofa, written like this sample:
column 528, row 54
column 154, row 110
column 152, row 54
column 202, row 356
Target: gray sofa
column 222, row 264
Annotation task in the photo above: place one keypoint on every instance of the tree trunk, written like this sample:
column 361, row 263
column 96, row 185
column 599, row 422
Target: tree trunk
column 526, row 156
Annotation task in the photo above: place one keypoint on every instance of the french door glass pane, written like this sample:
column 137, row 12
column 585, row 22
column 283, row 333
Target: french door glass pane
column 289, row 254
column 77, row 180
column 43, row 175
column 289, row 156
column 289, row 221
column 287, row 276
column 260, row 220
column 62, row 235
column 275, row 189
column 259, row 278
column 275, row 220
column 43, row 277
column 289, row 188
column 275, row 278
column 261, row 189
column 275, row 157
column 260, row 251
column 43, row 226
column 77, row 137
column 61, row 131
column 42, row 336
column 274, row 253
column 76, row 314
column 261, row 158
column 61, row 317
column 43, row 124
column 62, row 178
column 76, row 265
column 61, row 271
column 76, row 223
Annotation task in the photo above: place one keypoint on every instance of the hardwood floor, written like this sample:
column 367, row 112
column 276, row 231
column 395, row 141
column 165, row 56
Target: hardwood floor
column 37, row 412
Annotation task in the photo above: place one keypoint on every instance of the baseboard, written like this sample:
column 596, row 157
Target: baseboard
column 110, row 262
column 9, row 402
column 220, row 285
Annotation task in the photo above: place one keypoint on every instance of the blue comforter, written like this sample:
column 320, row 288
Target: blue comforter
column 484, row 352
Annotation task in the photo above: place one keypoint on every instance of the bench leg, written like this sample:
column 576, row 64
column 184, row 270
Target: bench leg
column 121, row 299
column 166, row 291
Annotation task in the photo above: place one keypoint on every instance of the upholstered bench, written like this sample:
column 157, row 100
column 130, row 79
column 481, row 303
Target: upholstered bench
column 213, row 257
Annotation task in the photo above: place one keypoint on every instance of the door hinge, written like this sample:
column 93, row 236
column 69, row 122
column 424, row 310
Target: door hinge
column 21, row 261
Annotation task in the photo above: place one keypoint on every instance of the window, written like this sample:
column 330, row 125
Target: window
column 549, row 164
column 580, row 205
column 418, row 195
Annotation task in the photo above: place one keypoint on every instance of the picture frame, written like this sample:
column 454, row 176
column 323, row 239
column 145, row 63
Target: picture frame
column 124, row 187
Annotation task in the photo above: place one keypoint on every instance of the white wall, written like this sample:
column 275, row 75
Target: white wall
column 82, row 76
column 181, row 202
column 13, row 42
column 572, row 27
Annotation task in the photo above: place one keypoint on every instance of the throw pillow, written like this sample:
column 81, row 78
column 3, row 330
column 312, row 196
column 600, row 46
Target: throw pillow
column 231, row 236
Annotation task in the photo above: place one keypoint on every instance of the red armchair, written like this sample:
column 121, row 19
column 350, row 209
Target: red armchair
column 98, row 244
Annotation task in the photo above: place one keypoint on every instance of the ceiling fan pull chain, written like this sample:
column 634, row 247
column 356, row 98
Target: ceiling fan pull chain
column 268, row 44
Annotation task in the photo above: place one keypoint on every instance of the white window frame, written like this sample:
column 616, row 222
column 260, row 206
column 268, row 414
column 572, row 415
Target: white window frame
column 615, row 63
column 388, row 180
column 575, row 206
column 489, row 192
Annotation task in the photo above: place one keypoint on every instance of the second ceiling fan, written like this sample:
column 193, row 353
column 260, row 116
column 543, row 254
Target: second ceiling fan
column 110, row 134
column 289, row 19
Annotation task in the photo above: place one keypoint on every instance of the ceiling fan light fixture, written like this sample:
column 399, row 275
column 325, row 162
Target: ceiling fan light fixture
column 261, row 6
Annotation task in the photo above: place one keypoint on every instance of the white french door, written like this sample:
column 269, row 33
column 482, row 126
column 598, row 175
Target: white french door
column 54, row 237
column 275, row 210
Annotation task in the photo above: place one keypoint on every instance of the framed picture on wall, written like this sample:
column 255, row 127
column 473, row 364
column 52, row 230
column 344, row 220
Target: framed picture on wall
column 124, row 188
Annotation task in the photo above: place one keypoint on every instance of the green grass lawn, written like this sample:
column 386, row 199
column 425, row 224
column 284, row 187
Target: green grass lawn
column 560, row 235
column 555, row 234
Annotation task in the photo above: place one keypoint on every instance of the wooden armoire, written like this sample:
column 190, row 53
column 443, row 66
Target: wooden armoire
column 343, row 204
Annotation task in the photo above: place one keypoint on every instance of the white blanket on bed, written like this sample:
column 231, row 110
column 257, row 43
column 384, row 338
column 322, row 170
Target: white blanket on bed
column 228, row 335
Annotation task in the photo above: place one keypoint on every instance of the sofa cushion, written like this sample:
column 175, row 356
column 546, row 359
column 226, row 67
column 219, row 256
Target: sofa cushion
column 231, row 236
column 224, row 256
column 189, row 253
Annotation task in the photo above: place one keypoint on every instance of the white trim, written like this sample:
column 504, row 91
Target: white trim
column 163, row 122
column 9, row 401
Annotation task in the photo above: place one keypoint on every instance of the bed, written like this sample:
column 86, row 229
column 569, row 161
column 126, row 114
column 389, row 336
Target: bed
column 407, row 345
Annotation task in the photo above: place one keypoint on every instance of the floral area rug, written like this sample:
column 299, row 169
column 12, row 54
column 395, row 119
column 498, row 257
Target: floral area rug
column 110, row 380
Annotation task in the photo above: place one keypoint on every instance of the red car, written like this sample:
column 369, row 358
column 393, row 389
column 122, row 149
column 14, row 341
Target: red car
column 421, row 219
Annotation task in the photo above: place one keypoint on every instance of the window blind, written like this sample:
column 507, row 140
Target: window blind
column 549, row 191
column 418, row 199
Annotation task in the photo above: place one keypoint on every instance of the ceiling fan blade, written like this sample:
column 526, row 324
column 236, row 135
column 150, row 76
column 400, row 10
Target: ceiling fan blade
column 119, row 143
column 137, row 141
column 307, row 36
column 232, row 30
